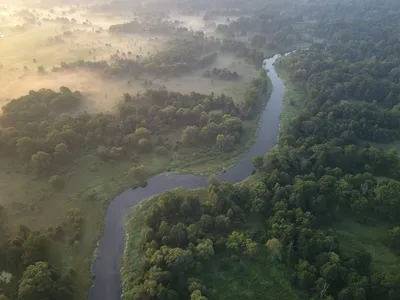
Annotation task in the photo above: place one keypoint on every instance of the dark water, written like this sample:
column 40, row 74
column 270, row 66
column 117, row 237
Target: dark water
column 107, row 283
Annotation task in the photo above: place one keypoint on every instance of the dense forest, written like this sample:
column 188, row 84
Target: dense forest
column 325, row 170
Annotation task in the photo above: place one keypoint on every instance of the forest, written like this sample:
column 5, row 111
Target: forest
column 330, row 167
column 320, row 217
column 41, row 134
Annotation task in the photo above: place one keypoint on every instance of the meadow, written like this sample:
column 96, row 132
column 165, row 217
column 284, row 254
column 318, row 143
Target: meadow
column 353, row 236
column 30, row 47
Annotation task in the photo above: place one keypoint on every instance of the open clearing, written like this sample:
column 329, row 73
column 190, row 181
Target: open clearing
column 355, row 236
column 196, row 82
column 293, row 98
column 251, row 280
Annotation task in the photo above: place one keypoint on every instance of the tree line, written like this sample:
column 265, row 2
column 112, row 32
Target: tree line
column 38, row 129
column 323, row 171
column 181, row 55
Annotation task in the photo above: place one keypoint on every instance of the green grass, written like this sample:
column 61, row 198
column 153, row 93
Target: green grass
column 260, row 278
column 196, row 82
column 31, row 201
column 133, row 258
column 354, row 236
column 293, row 98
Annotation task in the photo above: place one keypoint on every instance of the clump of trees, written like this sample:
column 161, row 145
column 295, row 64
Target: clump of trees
column 148, row 26
column 241, row 49
column 38, row 131
column 25, row 255
column 222, row 74
column 43, row 104
column 323, row 171
column 181, row 55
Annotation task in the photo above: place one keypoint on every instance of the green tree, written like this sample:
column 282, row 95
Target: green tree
column 190, row 135
column 144, row 145
column 196, row 295
column 306, row 274
column 26, row 147
column 275, row 248
column 393, row 239
column 221, row 141
column 61, row 153
column 137, row 173
column 41, row 161
column 36, row 282
column 116, row 152
column 205, row 250
column 161, row 150
column 258, row 162
column 142, row 132
column 103, row 152
column 130, row 140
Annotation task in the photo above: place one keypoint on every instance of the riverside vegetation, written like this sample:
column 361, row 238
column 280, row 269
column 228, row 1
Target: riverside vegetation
column 297, row 230
column 61, row 164
column 320, row 219
column 42, row 140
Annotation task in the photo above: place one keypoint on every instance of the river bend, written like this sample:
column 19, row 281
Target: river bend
column 107, row 266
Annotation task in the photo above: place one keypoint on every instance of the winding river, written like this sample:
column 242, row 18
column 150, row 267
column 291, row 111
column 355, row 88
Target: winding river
column 106, row 268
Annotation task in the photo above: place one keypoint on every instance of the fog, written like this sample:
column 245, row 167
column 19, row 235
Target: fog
column 37, row 37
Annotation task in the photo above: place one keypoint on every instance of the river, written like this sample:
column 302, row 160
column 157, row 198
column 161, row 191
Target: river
column 106, row 268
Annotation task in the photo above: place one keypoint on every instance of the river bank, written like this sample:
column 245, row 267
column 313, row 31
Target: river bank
column 106, row 268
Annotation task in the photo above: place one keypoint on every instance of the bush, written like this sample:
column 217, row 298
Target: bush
column 137, row 173
column 161, row 150
column 103, row 152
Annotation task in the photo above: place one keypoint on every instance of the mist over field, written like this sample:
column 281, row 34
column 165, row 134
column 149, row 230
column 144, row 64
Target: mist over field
column 109, row 108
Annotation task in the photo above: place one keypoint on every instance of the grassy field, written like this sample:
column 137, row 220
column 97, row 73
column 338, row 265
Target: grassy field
column 196, row 82
column 46, row 45
column 354, row 236
column 83, row 44
column 33, row 202
column 293, row 99
column 260, row 278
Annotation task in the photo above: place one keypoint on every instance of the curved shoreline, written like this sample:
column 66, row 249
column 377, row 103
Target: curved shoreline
column 106, row 268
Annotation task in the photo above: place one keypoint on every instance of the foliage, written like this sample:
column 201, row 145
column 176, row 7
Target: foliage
column 222, row 74
column 137, row 173
column 322, row 171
